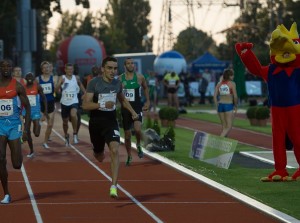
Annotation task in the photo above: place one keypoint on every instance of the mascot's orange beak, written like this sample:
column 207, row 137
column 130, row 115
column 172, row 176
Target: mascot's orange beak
column 284, row 44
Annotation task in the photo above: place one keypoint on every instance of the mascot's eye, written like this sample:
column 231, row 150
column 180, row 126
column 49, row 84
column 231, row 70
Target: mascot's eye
column 296, row 41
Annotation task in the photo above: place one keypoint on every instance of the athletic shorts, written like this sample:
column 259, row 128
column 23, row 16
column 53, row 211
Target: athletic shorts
column 66, row 110
column 172, row 90
column 127, row 118
column 35, row 113
column 12, row 129
column 225, row 107
column 50, row 107
column 103, row 131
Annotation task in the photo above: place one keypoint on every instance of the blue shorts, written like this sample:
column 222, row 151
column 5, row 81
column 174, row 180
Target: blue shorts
column 35, row 113
column 12, row 129
column 225, row 107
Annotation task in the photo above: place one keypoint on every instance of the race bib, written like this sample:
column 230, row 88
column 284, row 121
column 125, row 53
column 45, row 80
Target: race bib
column 152, row 82
column 103, row 98
column 129, row 94
column 172, row 82
column 6, row 107
column 32, row 100
column 47, row 88
column 224, row 89
column 68, row 95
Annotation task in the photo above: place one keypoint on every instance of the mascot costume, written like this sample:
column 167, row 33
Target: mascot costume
column 283, row 79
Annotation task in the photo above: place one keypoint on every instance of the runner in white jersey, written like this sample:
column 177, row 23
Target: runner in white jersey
column 69, row 85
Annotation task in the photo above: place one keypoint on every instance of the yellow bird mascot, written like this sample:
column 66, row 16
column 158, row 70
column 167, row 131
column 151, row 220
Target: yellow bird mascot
column 283, row 79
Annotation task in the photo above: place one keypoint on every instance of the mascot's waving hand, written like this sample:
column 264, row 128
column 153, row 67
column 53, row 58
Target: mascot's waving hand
column 283, row 79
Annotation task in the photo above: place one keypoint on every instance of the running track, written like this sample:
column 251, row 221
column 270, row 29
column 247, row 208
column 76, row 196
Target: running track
column 64, row 185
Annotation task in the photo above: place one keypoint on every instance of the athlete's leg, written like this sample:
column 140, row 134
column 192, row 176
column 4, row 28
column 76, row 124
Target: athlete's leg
column 74, row 119
column 3, row 169
column 114, row 155
column 228, row 116
column 50, row 123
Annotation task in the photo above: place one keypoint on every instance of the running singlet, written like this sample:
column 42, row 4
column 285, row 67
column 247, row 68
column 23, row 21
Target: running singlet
column 224, row 89
column 48, row 88
column 33, row 97
column 9, row 102
column 104, row 91
column 132, row 90
column 69, row 91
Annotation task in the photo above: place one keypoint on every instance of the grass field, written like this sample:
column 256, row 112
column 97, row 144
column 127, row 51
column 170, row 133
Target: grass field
column 283, row 196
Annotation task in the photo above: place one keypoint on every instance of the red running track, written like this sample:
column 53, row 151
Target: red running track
column 69, row 185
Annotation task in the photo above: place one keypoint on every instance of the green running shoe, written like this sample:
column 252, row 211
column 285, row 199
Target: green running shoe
column 140, row 152
column 113, row 191
column 129, row 159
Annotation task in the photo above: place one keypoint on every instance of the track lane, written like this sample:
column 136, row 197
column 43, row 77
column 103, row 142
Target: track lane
column 69, row 189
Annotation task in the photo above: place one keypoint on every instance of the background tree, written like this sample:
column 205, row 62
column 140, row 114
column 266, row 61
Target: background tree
column 8, row 20
column 192, row 43
column 126, row 22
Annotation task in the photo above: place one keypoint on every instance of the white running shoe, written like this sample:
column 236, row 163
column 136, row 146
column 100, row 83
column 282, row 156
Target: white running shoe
column 75, row 139
column 31, row 155
column 67, row 141
column 6, row 199
column 45, row 145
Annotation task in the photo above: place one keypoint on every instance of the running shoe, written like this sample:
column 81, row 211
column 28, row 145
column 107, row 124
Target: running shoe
column 45, row 145
column 67, row 140
column 31, row 155
column 140, row 151
column 6, row 199
column 113, row 191
column 129, row 159
column 75, row 138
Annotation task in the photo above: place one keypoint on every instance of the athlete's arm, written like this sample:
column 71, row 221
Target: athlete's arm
column 146, row 92
column 127, row 105
column 58, row 83
column 82, row 88
column 25, row 102
column 235, row 97
column 87, row 103
column 43, row 96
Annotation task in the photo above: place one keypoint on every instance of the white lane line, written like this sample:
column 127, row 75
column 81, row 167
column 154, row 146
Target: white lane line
column 126, row 202
column 88, row 181
column 239, row 196
column 265, row 160
column 152, row 215
column 36, row 211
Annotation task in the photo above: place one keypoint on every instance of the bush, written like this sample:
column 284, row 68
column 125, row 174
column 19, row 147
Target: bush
column 148, row 123
column 172, row 114
column 258, row 112
column 262, row 112
column 163, row 113
column 156, row 126
column 251, row 112
column 170, row 133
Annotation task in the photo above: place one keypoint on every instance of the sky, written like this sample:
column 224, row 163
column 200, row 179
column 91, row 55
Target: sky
column 211, row 18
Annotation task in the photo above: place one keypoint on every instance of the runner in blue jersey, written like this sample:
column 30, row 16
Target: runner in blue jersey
column 48, row 82
column 12, row 95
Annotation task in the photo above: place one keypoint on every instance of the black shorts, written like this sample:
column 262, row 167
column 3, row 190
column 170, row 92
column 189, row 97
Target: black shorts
column 103, row 131
column 172, row 90
column 50, row 106
column 66, row 109
column 127, row 118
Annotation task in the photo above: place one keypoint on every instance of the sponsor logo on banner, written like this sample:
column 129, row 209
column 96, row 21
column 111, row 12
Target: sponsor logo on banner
column 213, row 149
